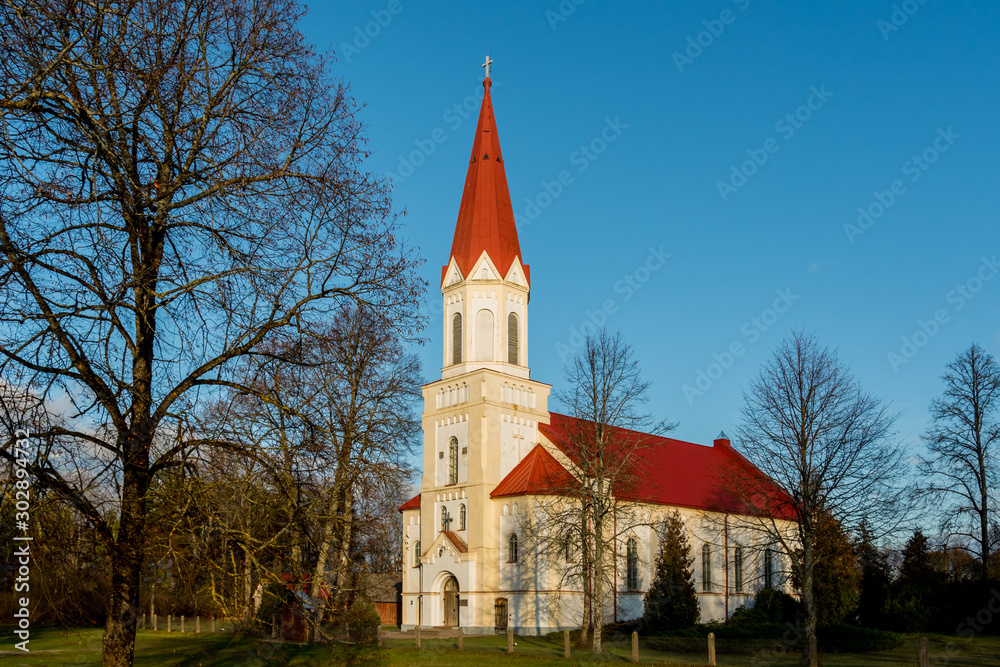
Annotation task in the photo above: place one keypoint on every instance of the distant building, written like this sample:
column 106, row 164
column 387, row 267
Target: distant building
column 491, row 445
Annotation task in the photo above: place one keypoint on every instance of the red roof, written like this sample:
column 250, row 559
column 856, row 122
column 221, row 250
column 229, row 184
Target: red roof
column 538, row 473
column 684, row 474
column 457, row 541
column 411, row 504
column 485, row 216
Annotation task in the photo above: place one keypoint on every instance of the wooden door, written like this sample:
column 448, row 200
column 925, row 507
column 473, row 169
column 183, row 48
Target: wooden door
column 500, row 615
column 451, row 603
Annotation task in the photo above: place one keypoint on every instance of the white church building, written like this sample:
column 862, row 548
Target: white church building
column 490, row 443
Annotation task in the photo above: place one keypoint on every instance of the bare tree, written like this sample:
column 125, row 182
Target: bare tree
column 179, row 184
column 809, row 427
column 961, row 465
column 603, row 440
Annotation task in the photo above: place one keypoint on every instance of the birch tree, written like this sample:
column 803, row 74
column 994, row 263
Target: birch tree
column 962, row 441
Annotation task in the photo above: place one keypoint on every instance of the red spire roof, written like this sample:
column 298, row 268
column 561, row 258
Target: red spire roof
column 537, row 473
column 485, row 216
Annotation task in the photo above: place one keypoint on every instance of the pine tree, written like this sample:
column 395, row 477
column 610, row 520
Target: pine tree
column 876, row 576
column 671, row 601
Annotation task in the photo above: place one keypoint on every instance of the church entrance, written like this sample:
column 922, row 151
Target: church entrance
column 451, row 602
column 500, row 615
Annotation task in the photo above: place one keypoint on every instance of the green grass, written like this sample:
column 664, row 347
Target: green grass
column 82, row 647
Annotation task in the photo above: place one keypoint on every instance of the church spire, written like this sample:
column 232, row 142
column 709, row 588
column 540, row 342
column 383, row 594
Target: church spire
column 485, row 216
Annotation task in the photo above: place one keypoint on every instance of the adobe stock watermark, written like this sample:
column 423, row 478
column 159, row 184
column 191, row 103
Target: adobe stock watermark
column 956, row 298
column 697, row 43
column 453, row 118
column 969, row 628
column 750, row 332
column 626, row 287
column 786, row 126
column 581, row 158
column 913, row 169
column 22, row 542
column 563, row 11
column 364, row 34
column 791, row 640
column 899, row 17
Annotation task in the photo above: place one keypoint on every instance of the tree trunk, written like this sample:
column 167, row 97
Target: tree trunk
column 598, row 589
column 126, row 563
column 585, row 579
column 344, row 549
column 808, row 603
column 319, row 574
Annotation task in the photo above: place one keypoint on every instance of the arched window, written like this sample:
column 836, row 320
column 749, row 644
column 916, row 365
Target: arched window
column 456, row 339
column 706, row 567
column 512, row 339
column 512, row 548
column 453, row 461
column 484, row 335
column 738, row 569
column 768, row 568
column 632, row 564
column 444, row 518
column 461, row 516
column 570, row 549
column 416, row 553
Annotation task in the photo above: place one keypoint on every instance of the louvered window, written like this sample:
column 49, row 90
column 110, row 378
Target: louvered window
column 512, row 339
column 456, row 339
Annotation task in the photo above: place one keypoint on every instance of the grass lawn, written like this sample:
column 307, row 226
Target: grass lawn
column 82, row 647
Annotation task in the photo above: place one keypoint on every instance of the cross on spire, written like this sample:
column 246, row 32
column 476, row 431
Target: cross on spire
column 486, row 65
column 446, row 521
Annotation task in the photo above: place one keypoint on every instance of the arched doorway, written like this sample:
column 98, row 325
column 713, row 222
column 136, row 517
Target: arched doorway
column 451, row 602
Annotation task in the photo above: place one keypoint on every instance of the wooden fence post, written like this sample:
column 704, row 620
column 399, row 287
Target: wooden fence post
column 711, row 649
column 170, row 622
column 197, row 625
column 142, row 625
column 510, row 639
column 418, row 637
column 813, row 652
column 566, row 644
column 154, row 622
column 182, row 623
column 213, row 624
column 635, row 646
column 924, row 656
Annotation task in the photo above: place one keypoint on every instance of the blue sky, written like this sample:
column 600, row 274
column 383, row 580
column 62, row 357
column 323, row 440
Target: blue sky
column 739, row 136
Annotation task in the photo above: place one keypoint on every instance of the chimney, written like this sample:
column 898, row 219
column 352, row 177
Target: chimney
column 722, row 440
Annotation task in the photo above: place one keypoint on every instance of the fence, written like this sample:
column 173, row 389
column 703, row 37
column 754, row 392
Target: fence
column 923, row 653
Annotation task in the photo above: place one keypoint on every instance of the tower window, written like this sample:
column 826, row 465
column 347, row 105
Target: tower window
column 738, row 569
column 416, row 553
column 512, row 548
column 461, row 517
column 706, row 567
column 453, row 461
column 632, row 564
column 456, row 339
column 768, row 568
column 512, row 339
column 444, row 518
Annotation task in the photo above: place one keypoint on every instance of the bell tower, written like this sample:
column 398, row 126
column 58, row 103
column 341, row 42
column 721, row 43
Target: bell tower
column 481, row 418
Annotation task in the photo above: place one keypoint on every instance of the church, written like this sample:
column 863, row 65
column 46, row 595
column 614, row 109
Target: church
column 490, row 444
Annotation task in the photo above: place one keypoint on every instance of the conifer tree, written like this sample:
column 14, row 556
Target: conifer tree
column 670, row 601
